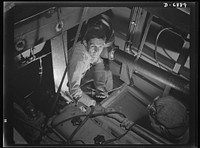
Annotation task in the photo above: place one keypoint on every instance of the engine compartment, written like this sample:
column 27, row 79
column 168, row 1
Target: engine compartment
column 143, row 68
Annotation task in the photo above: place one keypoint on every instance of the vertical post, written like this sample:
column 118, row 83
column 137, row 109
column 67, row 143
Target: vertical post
column 149, row 19
column 58, row 61
column 180, row 62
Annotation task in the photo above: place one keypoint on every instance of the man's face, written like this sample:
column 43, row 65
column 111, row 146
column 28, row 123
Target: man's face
column 95, row 47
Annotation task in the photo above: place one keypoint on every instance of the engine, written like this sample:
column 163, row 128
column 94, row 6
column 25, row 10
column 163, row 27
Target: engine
column 150, row 60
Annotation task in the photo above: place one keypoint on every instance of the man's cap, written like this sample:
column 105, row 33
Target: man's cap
column 172, row 114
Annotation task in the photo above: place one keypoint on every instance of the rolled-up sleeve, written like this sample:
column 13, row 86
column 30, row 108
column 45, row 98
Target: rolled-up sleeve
column 76, row 69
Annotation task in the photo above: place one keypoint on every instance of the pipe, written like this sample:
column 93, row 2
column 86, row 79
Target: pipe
column 147, row 69
column 149, row 136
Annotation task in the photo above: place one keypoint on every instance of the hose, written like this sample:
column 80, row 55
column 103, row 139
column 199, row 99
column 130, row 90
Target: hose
column 91, row 116
column 82, row 123
column 150, row 137
column 156, row 45
column 119, row 137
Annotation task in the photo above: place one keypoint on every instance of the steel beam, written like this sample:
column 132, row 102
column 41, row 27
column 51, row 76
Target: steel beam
column 39, row 28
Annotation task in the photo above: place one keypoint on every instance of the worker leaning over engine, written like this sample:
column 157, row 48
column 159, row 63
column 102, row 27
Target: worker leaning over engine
column 169, row 117
column 86, row 54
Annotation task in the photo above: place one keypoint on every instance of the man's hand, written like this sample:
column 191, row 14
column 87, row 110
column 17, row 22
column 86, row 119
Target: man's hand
column 86, row 100
column 101, row 94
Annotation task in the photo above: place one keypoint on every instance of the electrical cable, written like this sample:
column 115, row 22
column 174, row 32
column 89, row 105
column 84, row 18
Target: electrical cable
column 82, row 123
column 91, row 116
column 155, row 53
column 52, row 108
column 156, row 45
column 119, row 137
column 168, row 54
column 95, row 115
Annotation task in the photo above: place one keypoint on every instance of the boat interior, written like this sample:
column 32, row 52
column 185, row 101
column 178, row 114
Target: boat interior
column 151, row 57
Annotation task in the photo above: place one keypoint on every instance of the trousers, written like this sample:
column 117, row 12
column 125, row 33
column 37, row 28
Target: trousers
column 102, row 76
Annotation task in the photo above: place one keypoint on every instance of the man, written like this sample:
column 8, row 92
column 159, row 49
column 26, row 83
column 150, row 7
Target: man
column 85, row 55
column 169, row 118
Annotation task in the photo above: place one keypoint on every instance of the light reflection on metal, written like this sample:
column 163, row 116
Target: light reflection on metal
column 8, row 6
column 50, row 11
column 59, row 26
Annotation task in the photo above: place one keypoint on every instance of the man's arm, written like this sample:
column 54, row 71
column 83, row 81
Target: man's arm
column 76, row 70
column 74, row 77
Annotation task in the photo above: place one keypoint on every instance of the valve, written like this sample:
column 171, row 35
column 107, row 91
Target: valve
column 76, row 121
column 99, row 139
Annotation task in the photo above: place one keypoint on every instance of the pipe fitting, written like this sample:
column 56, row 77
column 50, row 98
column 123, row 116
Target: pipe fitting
column 59, row 26
column 20, row 45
